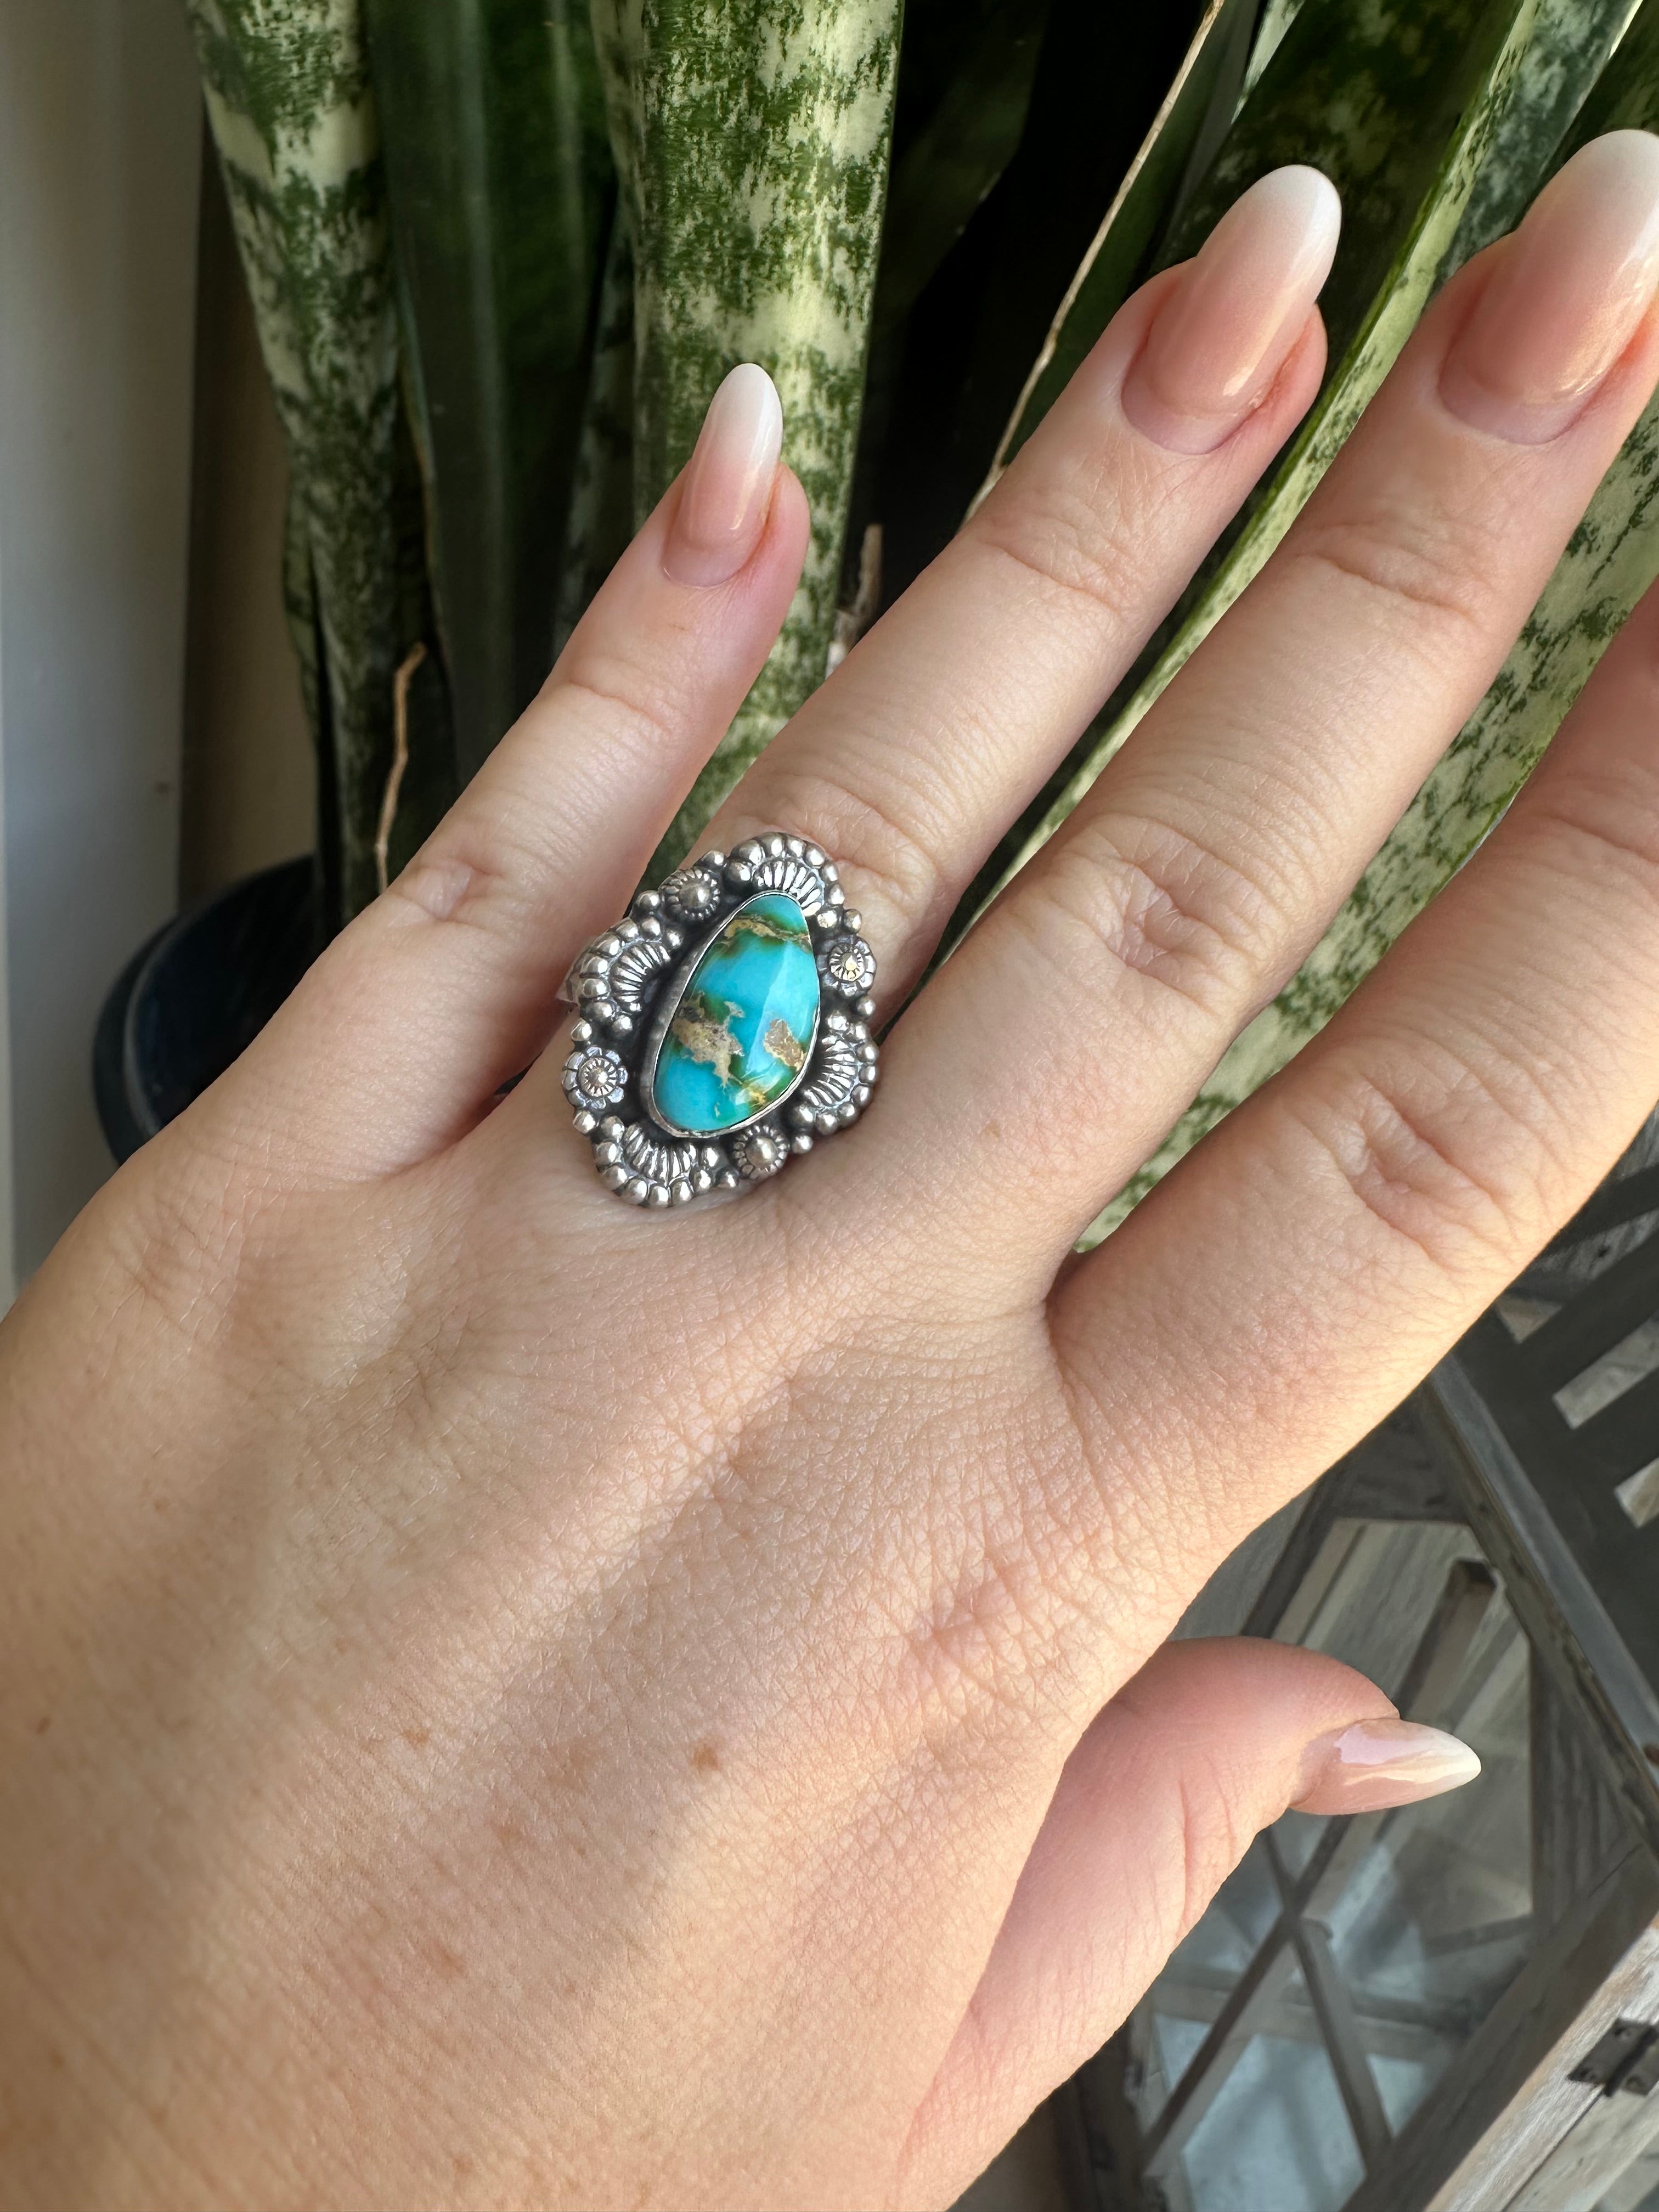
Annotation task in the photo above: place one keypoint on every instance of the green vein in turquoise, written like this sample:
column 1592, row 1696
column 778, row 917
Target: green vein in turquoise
column 743, row 1032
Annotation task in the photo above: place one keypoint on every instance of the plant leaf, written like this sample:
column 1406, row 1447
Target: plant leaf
column 498, row 178
column 1277, row 17
column 751, row 139
column 950, row 147
column 1569, row 45
column 294, row 119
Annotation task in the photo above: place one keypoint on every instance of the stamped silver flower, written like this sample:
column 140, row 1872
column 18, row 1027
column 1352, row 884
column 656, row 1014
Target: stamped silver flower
column 847, row 965
column 692, row 894
column 594, row 1080
column 759, row 1150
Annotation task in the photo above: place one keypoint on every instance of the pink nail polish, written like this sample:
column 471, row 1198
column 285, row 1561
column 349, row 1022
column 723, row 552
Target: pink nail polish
column 1371, row 1764
column 727, row 485
column 1229, row 327
column 1567, row 295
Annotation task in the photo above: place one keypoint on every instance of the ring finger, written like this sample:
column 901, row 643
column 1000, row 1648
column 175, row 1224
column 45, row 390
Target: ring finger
column 909, row 762
column 906, row 765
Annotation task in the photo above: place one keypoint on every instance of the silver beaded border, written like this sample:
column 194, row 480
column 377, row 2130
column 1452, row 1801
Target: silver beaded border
column 615, row 986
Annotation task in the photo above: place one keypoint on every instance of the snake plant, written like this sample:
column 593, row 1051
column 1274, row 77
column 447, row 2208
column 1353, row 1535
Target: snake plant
column 502, row 250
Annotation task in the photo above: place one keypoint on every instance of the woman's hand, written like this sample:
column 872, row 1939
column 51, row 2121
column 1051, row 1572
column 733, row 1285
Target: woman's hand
column 512, row 1700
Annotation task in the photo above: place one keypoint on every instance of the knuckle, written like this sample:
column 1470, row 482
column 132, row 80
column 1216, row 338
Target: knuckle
column 1154, row 902
column 893, row 836
column 967, row 1649
column 1460, row 1165
column 969, row 1616
column 1074, row 542
column 1205, row 1820
column 489, row 862
column 464, row 877
column 1596, row 825
column 628, row 701
column 1412, row 564
column 178, row 1241
column 485, row 872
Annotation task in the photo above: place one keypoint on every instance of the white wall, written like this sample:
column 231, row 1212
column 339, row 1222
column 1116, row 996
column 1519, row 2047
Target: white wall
column 100, row 137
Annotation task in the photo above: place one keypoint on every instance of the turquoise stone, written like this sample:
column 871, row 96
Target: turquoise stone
column 739, row 1041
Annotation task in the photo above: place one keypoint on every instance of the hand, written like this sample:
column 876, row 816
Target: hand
column 514, row 1700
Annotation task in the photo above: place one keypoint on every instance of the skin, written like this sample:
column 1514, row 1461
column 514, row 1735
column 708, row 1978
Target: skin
column 512, row 1701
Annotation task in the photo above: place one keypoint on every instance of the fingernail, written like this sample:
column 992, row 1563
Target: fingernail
column 727, row 485
column 1566, row 298
column 1371, row 1764
column 1228, row 326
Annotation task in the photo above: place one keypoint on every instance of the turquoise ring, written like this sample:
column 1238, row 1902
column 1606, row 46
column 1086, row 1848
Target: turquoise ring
column 724, row 1024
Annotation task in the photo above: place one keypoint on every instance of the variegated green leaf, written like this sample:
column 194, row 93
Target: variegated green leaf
column 1570, row 42
column 752, row 137
column 1397, row 103
column 499, row 174
column 1277, row 17
column 1626, row 96
column 292, row 114
column 960, row 110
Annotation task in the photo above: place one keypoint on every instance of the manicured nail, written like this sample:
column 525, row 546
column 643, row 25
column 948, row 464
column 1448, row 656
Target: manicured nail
column 727, row 485
column 1566, row 298
column 1229, row 325
column 1371, row 1764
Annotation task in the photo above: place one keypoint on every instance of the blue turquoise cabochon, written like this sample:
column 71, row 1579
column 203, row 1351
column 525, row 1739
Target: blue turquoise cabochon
column 738, row 1039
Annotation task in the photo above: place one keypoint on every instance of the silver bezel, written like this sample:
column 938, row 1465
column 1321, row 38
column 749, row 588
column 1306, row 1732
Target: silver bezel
column 630, row 980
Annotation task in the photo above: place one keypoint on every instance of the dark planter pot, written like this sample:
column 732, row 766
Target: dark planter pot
column 196, row 995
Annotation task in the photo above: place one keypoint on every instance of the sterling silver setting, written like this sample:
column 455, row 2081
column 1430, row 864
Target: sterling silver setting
column 626, row 983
